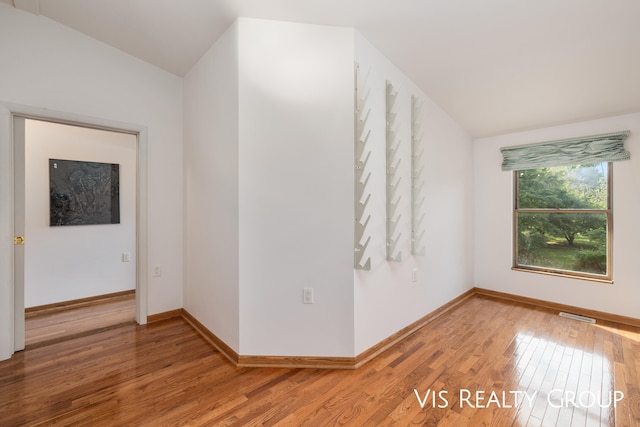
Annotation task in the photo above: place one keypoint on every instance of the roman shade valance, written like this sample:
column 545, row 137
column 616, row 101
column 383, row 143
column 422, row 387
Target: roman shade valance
column 607, row 147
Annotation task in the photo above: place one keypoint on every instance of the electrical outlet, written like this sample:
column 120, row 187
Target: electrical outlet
column 157, row 270
column 307, row 296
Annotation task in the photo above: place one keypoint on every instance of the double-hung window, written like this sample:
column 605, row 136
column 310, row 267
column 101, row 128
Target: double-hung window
column 563, row 220
column 562, row 217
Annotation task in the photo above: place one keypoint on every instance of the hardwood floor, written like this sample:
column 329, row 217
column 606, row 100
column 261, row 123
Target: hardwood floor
column 477, row 359
column 64, row 322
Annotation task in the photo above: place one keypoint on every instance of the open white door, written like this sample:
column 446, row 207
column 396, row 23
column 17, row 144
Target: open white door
column 18, row 230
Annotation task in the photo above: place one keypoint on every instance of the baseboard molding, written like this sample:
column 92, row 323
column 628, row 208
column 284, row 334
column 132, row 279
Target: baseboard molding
column 405, row 332
column 241, row 361
column 598, row 315
column 317, row 362
column 165, row 315
column 220, row 345
column 295, row 362
column 320, row 362
column 76, row 303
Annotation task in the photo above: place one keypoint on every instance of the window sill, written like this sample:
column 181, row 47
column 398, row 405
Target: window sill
column 568, row 276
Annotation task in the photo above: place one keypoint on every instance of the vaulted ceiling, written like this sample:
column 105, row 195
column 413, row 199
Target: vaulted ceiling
column 494, row 66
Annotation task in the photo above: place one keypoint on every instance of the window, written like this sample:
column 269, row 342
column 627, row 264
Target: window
column 562, row 209
column 562, row 220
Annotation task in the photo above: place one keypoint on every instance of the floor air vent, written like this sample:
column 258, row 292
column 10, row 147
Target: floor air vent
column 576, row 317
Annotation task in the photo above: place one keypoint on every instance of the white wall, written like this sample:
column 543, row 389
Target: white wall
column 72, row 262
column 386, row 299
column 270, row 196
column 494, row 209
column 46, row 65
column 296, row 188
column 268, row 163
column 211, row 189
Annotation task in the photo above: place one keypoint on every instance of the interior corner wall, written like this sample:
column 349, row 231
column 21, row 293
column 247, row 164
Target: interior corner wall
column 386, row 298
column 77, row 261
column 49, row 66
column 295, row 188
column 494, row 213
column 211, row 189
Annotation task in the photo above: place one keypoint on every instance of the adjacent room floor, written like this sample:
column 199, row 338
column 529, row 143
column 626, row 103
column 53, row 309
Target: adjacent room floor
column 66, row 322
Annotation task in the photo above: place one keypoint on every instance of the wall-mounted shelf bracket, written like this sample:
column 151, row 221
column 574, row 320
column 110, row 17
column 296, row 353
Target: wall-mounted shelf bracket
column 393, row 161
column 361, row 174
column 417, row 180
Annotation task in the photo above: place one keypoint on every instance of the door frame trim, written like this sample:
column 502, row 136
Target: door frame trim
column 7, row 289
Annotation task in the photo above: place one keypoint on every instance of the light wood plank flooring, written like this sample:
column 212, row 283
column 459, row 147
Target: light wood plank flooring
column 477, row 358
column 62, row 323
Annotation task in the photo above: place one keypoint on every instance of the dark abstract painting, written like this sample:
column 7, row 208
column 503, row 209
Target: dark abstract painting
column 83, row 193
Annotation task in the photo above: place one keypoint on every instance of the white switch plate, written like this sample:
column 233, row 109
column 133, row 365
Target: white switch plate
column 126, row 257
column 414, row 274
column 157, row 270
column 307, row 296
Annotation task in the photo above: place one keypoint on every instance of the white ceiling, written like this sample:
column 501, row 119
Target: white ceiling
column 494, row 65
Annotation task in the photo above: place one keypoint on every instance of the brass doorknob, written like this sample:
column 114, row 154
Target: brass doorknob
column 18, row 240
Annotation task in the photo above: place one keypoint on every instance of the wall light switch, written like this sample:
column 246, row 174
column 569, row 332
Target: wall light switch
column 414, row 274
column 157, row 270
column 126, row 257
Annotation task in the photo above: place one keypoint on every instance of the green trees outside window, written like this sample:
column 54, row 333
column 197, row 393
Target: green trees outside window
column 563, row 219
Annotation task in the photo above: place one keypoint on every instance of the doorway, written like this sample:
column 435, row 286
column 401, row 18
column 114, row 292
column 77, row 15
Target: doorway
column 79, row 216
column 12, row 332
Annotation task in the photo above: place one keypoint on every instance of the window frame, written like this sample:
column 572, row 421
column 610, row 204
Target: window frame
column 606, row 278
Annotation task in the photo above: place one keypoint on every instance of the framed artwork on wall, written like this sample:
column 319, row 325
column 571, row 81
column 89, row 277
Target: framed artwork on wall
column 83, row 193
